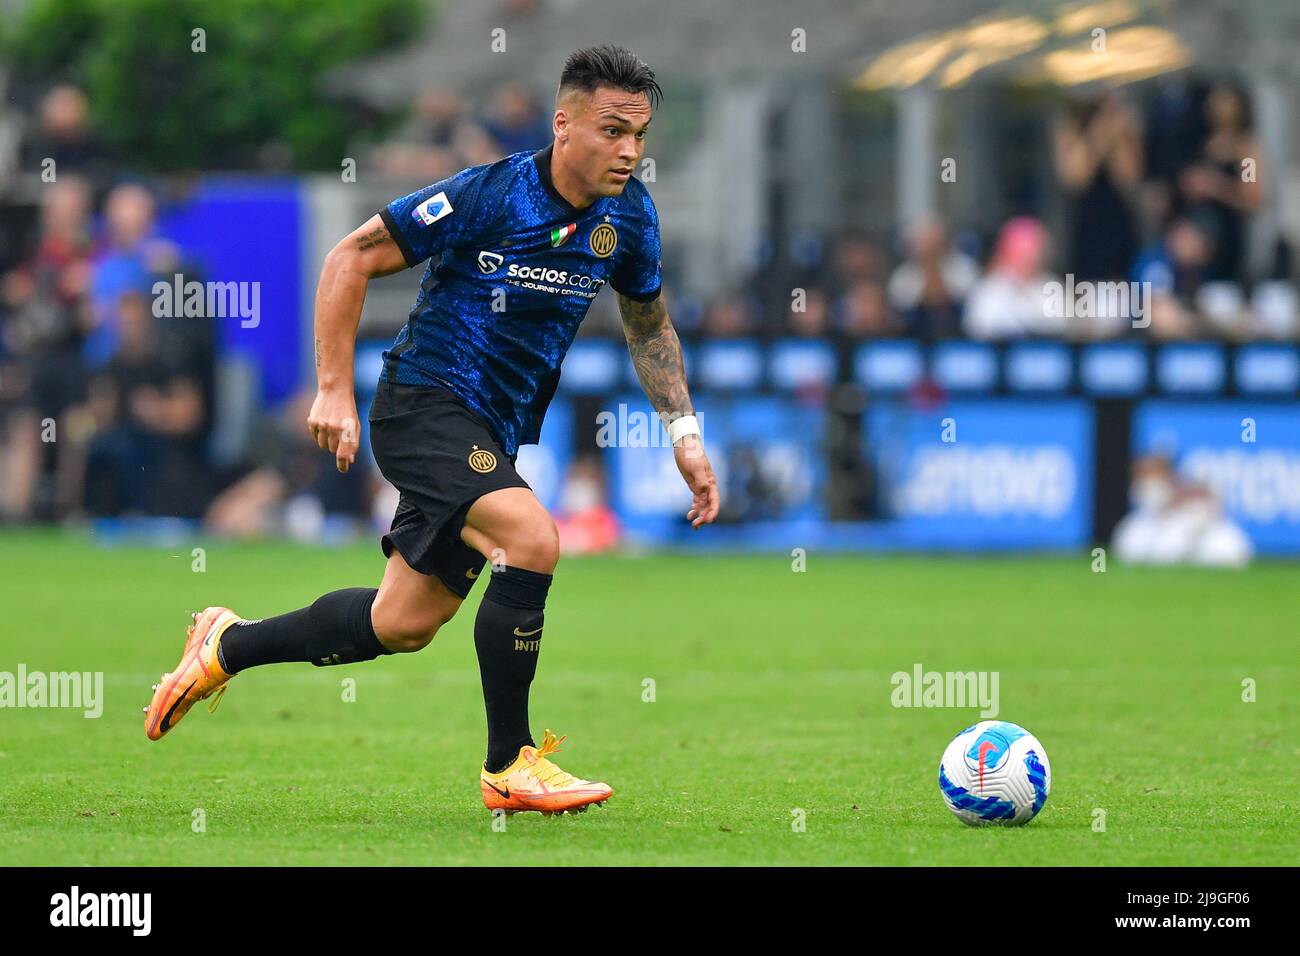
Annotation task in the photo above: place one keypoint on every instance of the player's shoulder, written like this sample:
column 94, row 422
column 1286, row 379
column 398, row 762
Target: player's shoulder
column 480, row 192
column 636, row 195
column 499, row 178
column 493, row 174
column 636, row 200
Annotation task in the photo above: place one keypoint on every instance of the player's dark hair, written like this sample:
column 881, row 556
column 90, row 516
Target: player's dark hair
column 607, row 65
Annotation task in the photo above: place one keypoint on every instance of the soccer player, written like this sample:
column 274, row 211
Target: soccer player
column 522, row 247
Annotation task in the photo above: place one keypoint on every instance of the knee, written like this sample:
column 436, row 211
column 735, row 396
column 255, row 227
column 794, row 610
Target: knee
column 534, row 544
column 407, row 630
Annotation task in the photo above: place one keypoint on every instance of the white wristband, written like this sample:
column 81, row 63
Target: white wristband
column 679, row 428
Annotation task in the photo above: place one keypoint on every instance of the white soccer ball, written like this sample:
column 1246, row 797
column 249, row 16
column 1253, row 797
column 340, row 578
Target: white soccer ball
column 995, row 772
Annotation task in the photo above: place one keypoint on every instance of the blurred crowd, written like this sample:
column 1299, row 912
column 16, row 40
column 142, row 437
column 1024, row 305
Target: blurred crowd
column 445, row 133
column 1175, row 520
column 92, row 383
column 1163, row 196
column 107, row 411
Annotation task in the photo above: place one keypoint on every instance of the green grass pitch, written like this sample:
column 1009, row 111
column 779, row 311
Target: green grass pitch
column 772, row 694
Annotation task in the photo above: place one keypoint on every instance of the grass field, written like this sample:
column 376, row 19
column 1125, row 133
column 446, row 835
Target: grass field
column 772, row 693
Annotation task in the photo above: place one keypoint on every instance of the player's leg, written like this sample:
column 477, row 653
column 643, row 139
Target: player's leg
column 410, row 607
column 512, row 526
column 401, row 616
column 342, row 627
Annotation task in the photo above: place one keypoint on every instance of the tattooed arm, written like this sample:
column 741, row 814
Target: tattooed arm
column 657, row 355
column 366, row 253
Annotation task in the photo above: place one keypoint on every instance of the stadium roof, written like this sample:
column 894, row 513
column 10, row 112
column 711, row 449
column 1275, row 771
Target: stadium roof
column 703, row 40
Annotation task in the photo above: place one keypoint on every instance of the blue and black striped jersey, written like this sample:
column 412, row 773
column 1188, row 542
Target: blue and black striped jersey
column 514, row 269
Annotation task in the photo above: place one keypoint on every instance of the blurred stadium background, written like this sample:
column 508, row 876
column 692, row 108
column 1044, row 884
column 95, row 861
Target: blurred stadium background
column 863, row 207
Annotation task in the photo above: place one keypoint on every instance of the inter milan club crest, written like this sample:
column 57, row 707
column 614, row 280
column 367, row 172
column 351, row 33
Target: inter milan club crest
column 482, row 460
column 603, row 241
column 561, row 234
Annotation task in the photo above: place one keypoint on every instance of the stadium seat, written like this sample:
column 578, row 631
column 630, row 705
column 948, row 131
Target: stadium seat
column 965, row 366
column 1038, row 367
column 592, row 366
column 730, row 365
column 1197, row 368
column 800, row 363
column 1274, row 308
column 1267, row 369
column 1113, row 368
column 888, row 366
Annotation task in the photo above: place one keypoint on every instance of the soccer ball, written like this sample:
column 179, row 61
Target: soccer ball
column 995, row 772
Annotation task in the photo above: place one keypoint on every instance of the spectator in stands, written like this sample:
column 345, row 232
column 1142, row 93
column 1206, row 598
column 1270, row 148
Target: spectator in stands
column 729, row 317
column 1178, row 264
column 1176, row 522
column 516, row 120
column 1223, row 188
column 1176, row 268
column 41, row 304
column 928, row 288
column 863, row 312
column 813, row 320
column 440, row 116
column 440, row 139
column 287, row 486
column 1099, row 162
column 1171, row 320
column 144, row 454
column 1175, row 129
column 135, row 257
column 63, row 133
column 855, row 258
column 586, row 523
column 1011, row 299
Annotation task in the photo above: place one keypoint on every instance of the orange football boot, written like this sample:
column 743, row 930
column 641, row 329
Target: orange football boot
column 198, row 675
column 534, row 783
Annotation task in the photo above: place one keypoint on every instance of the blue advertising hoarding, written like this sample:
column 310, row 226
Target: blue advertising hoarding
column 766, row 452
column 268, row 255
column 984, row 473
column 1248, row 452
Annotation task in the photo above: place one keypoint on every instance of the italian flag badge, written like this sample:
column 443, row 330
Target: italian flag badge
column 561, row 235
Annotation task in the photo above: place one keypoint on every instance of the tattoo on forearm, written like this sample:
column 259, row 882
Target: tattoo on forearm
column 375, row 237
column 642, row 317
column 318, row 351
column 657, row 355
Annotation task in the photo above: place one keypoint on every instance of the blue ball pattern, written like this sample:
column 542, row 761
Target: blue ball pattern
column 986, row 808
column 1037, row 777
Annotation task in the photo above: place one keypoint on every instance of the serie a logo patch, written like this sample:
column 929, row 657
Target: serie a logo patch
column 482, row 460
column 432, row 209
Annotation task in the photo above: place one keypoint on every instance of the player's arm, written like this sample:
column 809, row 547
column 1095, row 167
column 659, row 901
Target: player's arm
column 657, row 356
column 366, row 253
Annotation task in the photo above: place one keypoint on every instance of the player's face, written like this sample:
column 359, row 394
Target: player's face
column 606, row 136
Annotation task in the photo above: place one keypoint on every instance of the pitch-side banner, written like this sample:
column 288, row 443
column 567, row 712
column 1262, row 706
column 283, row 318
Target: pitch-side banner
column 984, row 473
column 1247, row 451
column 766, row 452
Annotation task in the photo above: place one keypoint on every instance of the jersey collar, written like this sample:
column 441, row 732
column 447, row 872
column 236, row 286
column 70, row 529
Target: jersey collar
column 542, row 160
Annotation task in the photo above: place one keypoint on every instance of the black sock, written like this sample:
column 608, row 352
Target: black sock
column 507, row 637
column 334, row 630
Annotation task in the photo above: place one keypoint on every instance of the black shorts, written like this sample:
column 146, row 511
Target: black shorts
column 441, row 457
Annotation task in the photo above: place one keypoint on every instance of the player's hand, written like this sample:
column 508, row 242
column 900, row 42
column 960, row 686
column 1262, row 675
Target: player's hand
column 694, row 465
column 333, row 425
